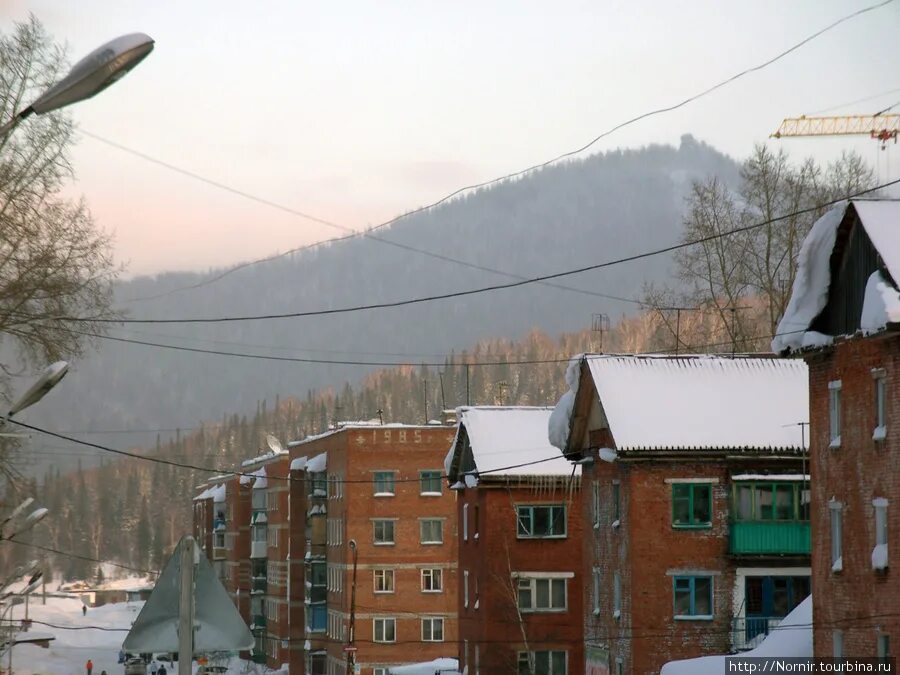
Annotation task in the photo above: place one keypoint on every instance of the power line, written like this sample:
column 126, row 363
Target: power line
column 854, row 102
column 49, row 549
column 484, row 289
column 368, row 233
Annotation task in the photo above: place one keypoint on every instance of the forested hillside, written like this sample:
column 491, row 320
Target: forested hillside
column 569, row 215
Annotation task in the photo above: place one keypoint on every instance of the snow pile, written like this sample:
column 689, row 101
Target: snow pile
column 810, row 291
column 880, row 557
column 792, row 638
column 881, row 305
column 218, row 493
column 317, row 464
column 607, row 454
column 444, row 666
column 298, row 464
column 560, row 419
column 503, row 437
column 261, row 482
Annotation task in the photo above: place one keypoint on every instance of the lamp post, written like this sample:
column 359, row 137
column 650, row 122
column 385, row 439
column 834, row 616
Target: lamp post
column 48, row 379
column 94, row 73
column 33, row 582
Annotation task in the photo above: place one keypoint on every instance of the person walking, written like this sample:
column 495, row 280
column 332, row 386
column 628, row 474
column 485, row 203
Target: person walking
column 83, row 610
column 154, row 667
column 162, row 669
column 89, row 666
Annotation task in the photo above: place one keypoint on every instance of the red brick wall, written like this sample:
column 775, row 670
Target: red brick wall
column 490, row 558
column 278, row 630
column 857, row 600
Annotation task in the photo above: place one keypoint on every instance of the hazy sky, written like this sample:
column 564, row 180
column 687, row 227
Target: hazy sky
column 357, row 110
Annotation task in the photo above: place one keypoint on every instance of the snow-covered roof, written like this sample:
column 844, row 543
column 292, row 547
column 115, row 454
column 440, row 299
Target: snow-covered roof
column 791, row 639
column 696, row 402
column 266, row 457
column 299, row 463
column 809, row 295
column 317, row 464
column 503, row 436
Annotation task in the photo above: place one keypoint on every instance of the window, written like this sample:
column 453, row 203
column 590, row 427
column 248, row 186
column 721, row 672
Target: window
column 541, row 521
column 837, row 563
column 430, row 482
column 595, row 591
column 384, row 483
column 465, row 522
column 477, row 661
column 883, row 646
column 691, row 505
column 316, row 618
column 545, row 663
column 595, row 503
column 272, row 501
column 379, row 671
column 258, row 500
column 620, row 666
column 880, row 552
column 617, row 515
column 431, row 531
column 432, row 630
column 693, row 597
column 272, row 537
column 617, row 595
column 384, row 531
column 475, row 521
column 384, row 581
column 782, row 500
column 432, row 581
column 837, row 643
column 880, row 403
column 466, row 588
column 385, row 630
column 834, row 412
column 542, row 595
column 260, row 533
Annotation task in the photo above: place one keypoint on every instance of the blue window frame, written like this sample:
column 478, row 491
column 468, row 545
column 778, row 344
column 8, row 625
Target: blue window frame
column 693, row 597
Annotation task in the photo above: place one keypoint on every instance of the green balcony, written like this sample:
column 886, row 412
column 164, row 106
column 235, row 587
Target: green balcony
column 774, row 537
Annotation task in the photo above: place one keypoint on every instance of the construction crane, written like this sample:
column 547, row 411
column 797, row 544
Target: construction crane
column 879, row 127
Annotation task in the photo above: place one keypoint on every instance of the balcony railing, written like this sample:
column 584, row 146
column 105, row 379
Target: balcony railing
column 748, row 632
column 775, row 537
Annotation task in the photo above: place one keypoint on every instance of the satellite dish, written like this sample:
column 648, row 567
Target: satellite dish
column 274, row 444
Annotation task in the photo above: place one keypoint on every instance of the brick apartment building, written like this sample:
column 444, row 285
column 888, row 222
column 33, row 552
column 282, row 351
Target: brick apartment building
column 288, row 524
column 520, row 539
column 696, row 503
column 844, row 318
column 209, row 522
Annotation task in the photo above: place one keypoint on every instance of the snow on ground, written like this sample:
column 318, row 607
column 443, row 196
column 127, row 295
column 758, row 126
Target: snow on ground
column 93, row 638
column 72, row 648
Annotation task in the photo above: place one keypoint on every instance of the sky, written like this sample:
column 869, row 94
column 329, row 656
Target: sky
column 357, row 110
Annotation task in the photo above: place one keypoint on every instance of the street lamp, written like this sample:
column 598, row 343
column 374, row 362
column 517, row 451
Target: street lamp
column 94, row 73
column 49, row 378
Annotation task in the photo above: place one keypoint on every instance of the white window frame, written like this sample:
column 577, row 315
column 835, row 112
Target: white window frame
column 465, row 522
column 388, row 579
column 440, row 531
column 433, row 573
column 384, row 493
column 393, row 528
column 531, row 659
column 880, row 506
column 837, row 643
column 466, row 589
column 595, row 591
column 431, row 622
column 384, row 622
column 836, row 513
column 533, row 584
column 272, row 537
column 834, row 413
column 595, row 503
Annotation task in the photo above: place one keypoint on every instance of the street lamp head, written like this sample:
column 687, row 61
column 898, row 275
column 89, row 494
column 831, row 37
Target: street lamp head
column 95, row 72
column 49, row 378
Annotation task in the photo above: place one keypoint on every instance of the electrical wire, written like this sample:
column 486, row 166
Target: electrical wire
column 854, row 102
column 368, row 233
column 483, row 289
column 78, row 556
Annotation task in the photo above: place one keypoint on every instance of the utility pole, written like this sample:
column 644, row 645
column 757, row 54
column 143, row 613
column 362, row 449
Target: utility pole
column 186, row 608
column 443, row 399
column 351, row 633
column 468, row 401
column 425, row 399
